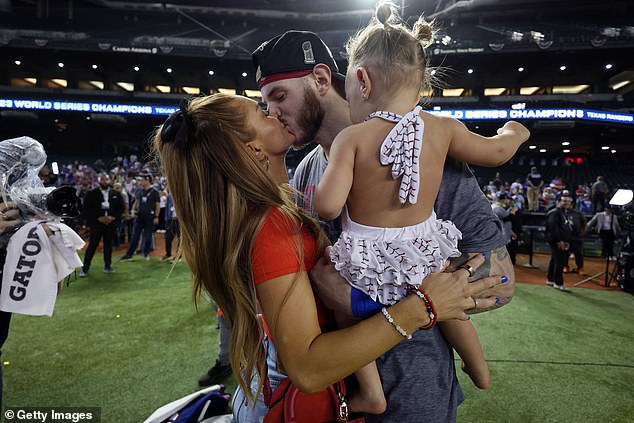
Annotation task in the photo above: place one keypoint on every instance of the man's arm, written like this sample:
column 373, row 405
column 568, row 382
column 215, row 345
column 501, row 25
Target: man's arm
column 497, row 262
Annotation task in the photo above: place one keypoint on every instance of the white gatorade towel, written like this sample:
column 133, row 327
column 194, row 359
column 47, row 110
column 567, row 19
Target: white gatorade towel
column 35, row 264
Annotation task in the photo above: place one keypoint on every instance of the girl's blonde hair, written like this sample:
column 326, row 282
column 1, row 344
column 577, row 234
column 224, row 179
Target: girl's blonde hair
column 222, row 196
column 389, row 46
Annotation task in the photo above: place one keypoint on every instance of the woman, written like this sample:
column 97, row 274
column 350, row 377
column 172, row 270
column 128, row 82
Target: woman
column 250, row 248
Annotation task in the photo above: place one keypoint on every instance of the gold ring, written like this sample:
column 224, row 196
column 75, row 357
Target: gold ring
column 468, row 268
column 475, row 301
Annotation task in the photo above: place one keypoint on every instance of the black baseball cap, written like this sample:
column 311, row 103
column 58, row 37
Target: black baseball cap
column 293, row 54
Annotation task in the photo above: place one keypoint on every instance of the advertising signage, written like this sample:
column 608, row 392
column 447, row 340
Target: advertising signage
column 478, row 114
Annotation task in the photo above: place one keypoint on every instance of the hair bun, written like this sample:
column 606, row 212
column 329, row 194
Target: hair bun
column 424, row 32
column 384, row 12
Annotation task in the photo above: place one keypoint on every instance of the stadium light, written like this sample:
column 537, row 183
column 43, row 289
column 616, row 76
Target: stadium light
column 542, row 150
column 95, row 66
column 612, row 151
column 562, row 68
column 532, row 147
column 469, row 70
column 244, row 74
column 211, row 73
column 565, row 143
column 520, row 69
column 622, row 197
column 566, row 151
column 605, row 147
column 17, row 63
column 60, row 64
column 136, row 69
column 169, row 70
column 608, row 66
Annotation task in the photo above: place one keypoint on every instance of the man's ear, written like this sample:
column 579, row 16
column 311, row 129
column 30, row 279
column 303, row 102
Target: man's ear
column 255, row 148
column 365, row 83
column 323, row 78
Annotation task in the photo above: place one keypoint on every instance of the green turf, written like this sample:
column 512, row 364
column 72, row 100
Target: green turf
column 132, row 341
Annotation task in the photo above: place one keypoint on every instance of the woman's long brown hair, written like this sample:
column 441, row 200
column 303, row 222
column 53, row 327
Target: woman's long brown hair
column 222, row 196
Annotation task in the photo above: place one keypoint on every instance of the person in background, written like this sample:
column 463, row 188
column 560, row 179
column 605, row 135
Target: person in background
column 120, row 230
column 160, row 228
column 505, row 210
column 222, row 367
column 103, row 208
column 517, row 186
column 606, row 224
column 172, row 227
column 600, row 191
column 534, row 183
column 146, row 209
column 558, row 235
column 578, row 232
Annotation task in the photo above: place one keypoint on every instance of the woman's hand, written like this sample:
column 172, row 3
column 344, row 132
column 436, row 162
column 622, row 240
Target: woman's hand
column 9, row 216
column 453, row 295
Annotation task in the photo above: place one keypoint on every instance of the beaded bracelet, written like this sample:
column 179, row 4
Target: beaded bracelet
column 431, row 309
column 399, row 329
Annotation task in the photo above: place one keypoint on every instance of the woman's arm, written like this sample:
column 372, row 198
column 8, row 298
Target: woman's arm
column 333, row 189
column 314, row 360
column 485, row 151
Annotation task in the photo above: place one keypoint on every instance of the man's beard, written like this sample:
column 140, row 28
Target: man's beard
column 311, row 116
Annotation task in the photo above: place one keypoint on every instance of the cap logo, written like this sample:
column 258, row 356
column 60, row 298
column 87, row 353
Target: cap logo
column 258, row 74
column 309, row 57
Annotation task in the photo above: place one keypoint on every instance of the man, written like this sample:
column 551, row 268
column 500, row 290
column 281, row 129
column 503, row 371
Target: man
column 303, row 88
column 578, row 232
column 558, row 235
column 506, row 211
column 534, row 183
column 120, row 230
column 606, row 224
column 103, row 208
column 172, row 227
column 600, row 191
column 146, row 209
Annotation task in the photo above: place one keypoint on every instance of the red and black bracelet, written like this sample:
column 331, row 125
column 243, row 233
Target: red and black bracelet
column 431, row 309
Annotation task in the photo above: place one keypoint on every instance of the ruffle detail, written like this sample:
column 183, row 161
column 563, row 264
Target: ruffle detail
column 384, row 262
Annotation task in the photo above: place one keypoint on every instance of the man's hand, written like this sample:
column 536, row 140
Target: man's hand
column 453, row 296
column 496, row 263
column 332, row 289
column 9, row 216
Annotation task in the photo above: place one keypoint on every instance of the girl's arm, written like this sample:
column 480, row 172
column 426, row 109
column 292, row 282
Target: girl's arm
column 485, row 151
column 333, row 189
column 314, row 360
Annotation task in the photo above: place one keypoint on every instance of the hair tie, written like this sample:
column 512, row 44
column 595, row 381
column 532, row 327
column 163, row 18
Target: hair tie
column 177, row 125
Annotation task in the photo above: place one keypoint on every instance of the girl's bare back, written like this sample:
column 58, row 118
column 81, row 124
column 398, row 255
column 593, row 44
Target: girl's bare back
column 374, row 197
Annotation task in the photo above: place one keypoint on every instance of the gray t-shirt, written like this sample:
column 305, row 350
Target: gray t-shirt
column 418, row 375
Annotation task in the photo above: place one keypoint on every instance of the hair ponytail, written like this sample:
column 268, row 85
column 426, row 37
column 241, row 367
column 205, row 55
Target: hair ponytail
column 385, row 13
column 424, row 32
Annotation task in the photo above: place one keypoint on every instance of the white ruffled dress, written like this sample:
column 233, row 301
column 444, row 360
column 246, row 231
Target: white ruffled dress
column 384, row 262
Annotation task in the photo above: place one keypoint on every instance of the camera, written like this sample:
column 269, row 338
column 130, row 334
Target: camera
column 20, row 162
